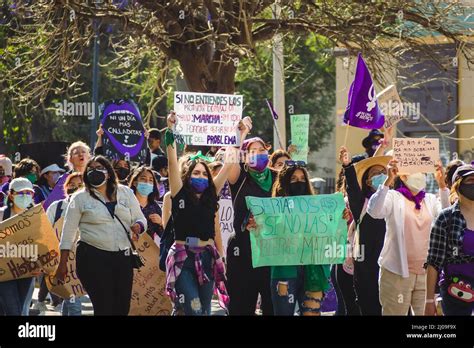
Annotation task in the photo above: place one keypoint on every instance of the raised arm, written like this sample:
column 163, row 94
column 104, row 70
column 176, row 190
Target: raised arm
column 166, row 208
column 244, row 127
column 174, row 176
column 230, row 158
column 385, row 142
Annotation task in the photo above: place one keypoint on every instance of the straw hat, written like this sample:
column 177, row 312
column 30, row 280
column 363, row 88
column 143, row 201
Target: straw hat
column 362, row 166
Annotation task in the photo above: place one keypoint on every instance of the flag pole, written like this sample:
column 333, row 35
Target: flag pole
column 347, row 132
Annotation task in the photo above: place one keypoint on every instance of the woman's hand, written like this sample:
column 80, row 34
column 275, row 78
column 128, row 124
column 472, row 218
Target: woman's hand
column 61, row 272
column 251, row 224
column 100, row 131
column 136, row 229
column 440, row 175
column 392, row 172
column 344, row 156
column 346, row 214
column 430, row 309
column 155, row 218
column 171, row 120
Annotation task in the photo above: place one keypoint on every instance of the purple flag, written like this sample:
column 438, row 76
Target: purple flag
column 57, row 193
column 272, row 110
column 362, row 109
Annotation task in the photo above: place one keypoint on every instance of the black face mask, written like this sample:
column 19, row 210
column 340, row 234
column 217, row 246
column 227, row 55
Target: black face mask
column 467, row 190
column 96, row 177
column 122, row 173
column 298, row 188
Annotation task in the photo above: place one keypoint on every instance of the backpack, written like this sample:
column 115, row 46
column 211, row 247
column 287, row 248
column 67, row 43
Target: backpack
column 166, row 241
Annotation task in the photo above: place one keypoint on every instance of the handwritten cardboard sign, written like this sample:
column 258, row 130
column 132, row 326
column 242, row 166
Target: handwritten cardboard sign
column 299, row 136
column 226, row 220
column 148, row 291
column 416, row 155
column 207, row 119
column 391, row 106
column 298, row 230
column 71, row 286
column 29, row 229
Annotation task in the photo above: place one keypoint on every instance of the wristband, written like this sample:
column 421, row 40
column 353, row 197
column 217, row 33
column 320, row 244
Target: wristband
column 429, row 300
column 169, row 138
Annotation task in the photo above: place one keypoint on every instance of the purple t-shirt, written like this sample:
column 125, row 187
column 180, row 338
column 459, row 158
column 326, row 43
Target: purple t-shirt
column 466, row 269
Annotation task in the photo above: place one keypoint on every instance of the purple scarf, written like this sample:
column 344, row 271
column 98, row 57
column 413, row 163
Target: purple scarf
column 408, row 195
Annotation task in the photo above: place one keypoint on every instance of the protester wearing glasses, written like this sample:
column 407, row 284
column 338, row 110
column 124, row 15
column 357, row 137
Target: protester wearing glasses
column 106, row 215
column 251, row 178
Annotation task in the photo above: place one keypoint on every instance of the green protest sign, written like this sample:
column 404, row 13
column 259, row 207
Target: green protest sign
column 298, row 230
column 299, row 136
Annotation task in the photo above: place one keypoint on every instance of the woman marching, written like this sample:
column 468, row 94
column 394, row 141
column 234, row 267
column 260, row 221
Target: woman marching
column 193, row 264
column 105, row 214
column 451, row 253
column 302, row 284
column 409, row 212
column 251, row 178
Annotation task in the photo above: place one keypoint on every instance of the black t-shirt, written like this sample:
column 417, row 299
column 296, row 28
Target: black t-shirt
column 192, row 219
column 247, row 188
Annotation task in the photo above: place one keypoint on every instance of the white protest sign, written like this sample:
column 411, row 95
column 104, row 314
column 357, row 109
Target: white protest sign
column 207, row 119
column 226, row 220
column 416, row 155
column 391, row 106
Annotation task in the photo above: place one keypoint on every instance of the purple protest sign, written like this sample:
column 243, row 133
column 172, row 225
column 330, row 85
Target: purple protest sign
column 124, row 131
column 362, row 109
column 57, row 193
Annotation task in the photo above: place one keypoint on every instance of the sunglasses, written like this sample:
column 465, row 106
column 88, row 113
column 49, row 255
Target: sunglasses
column 291, row 163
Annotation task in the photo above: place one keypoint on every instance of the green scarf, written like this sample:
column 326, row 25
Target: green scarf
column 263, row 179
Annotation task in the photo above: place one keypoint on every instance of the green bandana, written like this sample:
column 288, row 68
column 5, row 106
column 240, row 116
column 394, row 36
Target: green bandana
column 263, row 179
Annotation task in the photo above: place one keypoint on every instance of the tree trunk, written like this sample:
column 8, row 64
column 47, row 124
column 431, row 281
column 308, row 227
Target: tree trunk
column 2, row 115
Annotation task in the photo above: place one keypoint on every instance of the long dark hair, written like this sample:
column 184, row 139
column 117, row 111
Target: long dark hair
column 281, row 188
column 112, row 182
column 133, row 182
column 209, row 196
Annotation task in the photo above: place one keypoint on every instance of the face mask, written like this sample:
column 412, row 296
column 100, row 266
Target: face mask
column 122, row 173
column 23, row 201
column 467, row 190
column 71, row 191
column 144, row 188
column 199, row 184
column 259, row 162
column 378, row 180
column 96, row 177
column 416, row 182
column 298, row 188
column 31, row 177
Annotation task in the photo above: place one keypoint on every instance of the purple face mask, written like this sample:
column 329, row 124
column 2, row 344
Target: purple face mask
column 259, row 162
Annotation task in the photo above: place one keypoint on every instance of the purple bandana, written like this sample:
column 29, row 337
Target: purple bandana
column 408, row 195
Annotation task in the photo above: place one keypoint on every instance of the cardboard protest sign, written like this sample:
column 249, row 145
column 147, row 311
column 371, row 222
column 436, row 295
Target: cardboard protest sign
column 226, row 220
column 207, row 119
column 299, row 136
column 148, row 291
column 391, row 106
column 416, row 155
column 298, row 230
column 28, row 245
column 71, row 287
column 124, row 134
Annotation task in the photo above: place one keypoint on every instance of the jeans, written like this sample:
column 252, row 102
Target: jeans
column 72, row 307
column 29, row 297
column 14, row 295
column 284, row 302
column 195, row 299
column 453, row 306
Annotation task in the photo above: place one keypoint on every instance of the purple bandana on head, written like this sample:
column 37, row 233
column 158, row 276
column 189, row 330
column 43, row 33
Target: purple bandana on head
column 362, row 108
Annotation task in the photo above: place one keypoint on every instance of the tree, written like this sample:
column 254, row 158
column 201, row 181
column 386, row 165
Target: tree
column 210, row 39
